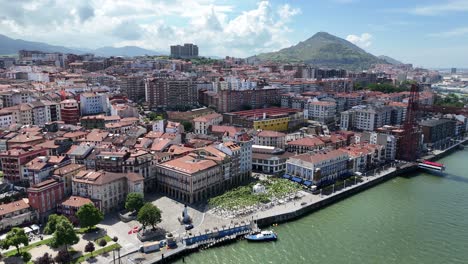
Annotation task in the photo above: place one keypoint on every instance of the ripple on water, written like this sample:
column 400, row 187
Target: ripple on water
column 417, row 219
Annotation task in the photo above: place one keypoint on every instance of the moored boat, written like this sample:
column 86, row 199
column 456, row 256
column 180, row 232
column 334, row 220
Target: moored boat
column 262, row 236
column 432, row 165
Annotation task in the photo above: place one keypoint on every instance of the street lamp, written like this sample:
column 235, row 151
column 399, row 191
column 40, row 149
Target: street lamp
column 115, row 239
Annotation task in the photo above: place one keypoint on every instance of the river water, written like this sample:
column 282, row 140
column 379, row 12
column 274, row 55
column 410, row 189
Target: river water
column 420, row 218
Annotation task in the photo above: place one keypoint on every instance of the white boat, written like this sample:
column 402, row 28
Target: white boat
column 262, row 236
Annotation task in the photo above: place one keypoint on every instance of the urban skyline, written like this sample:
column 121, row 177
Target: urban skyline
column 429, row 34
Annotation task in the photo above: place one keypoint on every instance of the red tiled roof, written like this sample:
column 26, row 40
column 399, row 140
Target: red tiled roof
column 307, row 141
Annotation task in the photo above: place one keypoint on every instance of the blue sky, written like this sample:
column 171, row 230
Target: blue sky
column 425, row 33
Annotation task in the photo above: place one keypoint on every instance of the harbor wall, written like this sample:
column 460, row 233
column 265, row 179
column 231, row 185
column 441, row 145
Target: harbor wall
column 336, row 197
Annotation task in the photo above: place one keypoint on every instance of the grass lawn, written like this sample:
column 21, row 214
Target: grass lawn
column 97, row 252
column 106, row 238
column 85, row 230
column 27, row 248
column 243, row 196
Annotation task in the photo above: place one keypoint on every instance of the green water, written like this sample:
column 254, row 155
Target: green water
column 417, row 219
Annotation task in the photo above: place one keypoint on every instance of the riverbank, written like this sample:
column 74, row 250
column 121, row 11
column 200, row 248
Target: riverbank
column 311, row 203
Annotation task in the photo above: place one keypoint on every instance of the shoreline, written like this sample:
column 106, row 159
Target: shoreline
column 266, row 219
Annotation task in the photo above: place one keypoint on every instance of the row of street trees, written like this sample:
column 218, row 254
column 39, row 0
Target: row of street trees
column 64, row 234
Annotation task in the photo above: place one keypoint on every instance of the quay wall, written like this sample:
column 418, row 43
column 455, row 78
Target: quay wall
column 336, row 197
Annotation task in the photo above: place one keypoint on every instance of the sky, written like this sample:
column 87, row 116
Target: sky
column 430, row 33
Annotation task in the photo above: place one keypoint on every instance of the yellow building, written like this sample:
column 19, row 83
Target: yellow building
column 274, row 124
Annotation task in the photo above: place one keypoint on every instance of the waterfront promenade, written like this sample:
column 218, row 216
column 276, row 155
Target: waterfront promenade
column 305, row 204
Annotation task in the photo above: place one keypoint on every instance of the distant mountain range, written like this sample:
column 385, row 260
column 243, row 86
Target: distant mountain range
column 390, row 60
column 325, row 50
column 9, row 46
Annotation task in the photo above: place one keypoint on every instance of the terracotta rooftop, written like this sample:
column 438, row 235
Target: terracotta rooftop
column 43, row 184
column 14, row 206
column 189, row 164
column 68, row 168
column 307, row 142
column 207, row 118
column 269, row 133
column 103, row 177
column 320, row 156
column 76, row 201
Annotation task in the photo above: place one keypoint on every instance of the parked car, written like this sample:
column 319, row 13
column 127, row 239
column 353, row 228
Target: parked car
column 188, row 226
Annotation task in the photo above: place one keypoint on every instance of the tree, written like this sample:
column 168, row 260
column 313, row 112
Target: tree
column 134, row 201
column 102, row 242
column 90, row 247
column 52, row 222
column 64, row 234
column 62, row 257
column 45, row 259
column 89, row 215
column 187, row 126
column 149, row 215
column 15, row 238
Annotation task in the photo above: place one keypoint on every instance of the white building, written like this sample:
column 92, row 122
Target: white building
column 110, row 189
column 322, row 111
column 92, row 103
column 366, row 117
column 202, row 123
column 6, row 119
column 270, row 138
column 318, row 167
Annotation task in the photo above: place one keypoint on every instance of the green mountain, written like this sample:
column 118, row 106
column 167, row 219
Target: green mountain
column 325, row 50
column 390, row 60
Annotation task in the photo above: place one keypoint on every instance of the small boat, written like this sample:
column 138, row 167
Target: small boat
column 430, row 165
column 262, row 236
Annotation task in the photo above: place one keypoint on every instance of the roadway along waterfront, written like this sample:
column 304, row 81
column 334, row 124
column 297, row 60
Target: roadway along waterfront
column 422, row 218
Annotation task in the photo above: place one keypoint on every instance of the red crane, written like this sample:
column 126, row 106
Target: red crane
column 409, row 147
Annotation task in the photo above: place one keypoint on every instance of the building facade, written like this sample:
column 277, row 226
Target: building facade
column 166, row 93
column 319, row 167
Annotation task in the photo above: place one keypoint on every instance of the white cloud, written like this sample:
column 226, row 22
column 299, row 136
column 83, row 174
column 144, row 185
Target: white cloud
column 437, row 9
column 150, row 24
column 451, row 33
column 363, row 41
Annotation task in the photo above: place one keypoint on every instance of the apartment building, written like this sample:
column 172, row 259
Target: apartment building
column 93, row 103
column 169, row 93
column 133, row 87
column 237, row 100
column 389, row 142
column 70, row 111
column 270, row 138
column 190, row 178
column 306, row 144
column 143, row 163
column 322, row 111
column 72, row 204
column 275, row 119
column 16, row 214
column 109, row 188
column 45, row 196
column 319, row 167
column 65, row 174
column 13, row 161
column 202, row 123
column 437, row 132
column 187, row 51
column 269, row 160
column 366, row 118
